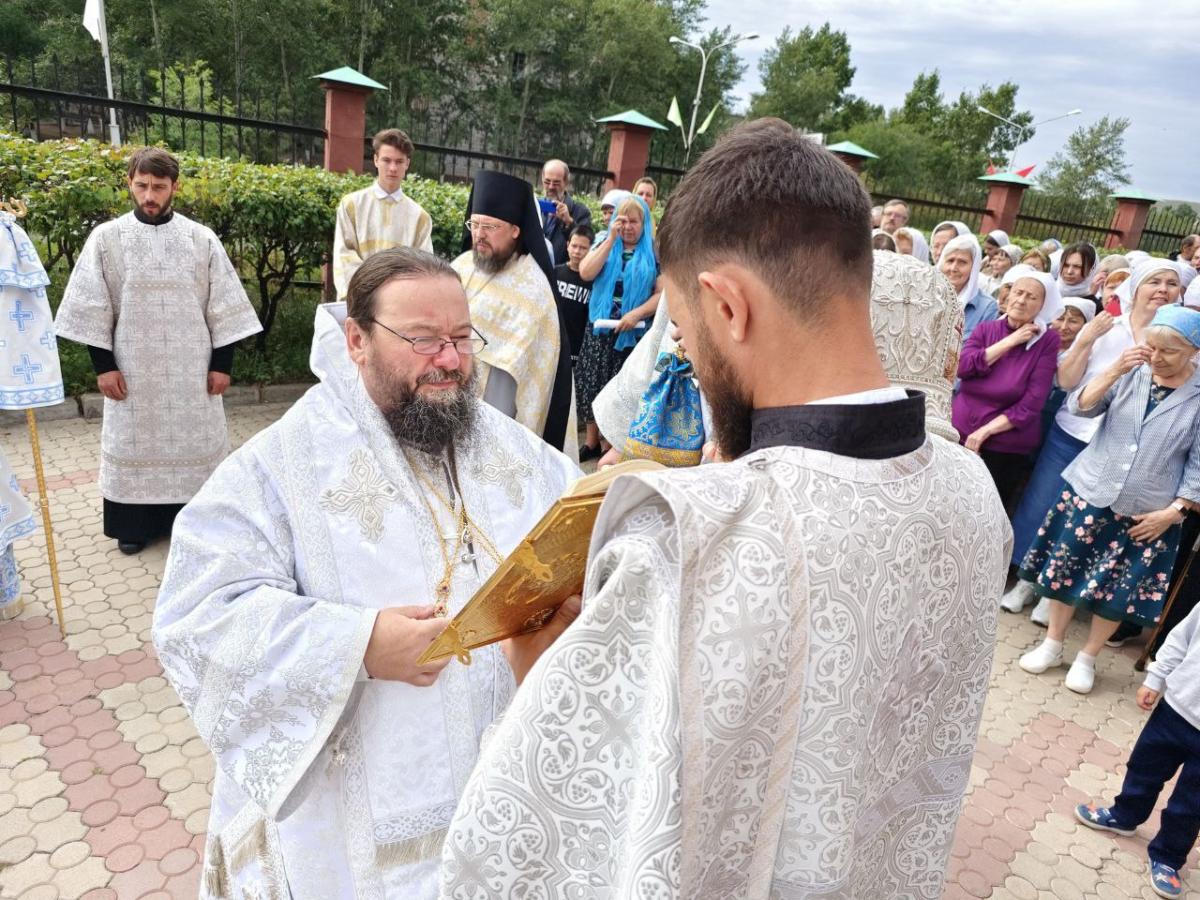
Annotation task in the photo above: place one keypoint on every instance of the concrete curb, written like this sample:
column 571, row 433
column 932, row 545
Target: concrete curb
column 91, row 406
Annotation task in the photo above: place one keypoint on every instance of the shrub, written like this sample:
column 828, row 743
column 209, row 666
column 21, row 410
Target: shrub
column 276, row 222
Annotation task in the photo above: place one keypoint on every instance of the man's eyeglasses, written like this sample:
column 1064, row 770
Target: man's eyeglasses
column 481, row 227
column 432, row 346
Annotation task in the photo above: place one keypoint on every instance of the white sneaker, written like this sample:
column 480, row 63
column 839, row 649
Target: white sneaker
column 1041, row 613
column 1019, row 597
column 1080, row 677
column 1041, row 658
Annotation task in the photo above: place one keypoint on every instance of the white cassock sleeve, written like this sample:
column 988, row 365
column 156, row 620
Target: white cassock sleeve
column 577, row 790
column 264, row 670
column 227, row 310
column 87, row 314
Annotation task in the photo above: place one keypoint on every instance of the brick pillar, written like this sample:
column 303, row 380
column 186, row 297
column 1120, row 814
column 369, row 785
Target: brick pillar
column 851, row 154
column 346, row 93
column 628, row 153
column 1005, row 191
column 628, row 146
column 855, row 163
column 1133, row 207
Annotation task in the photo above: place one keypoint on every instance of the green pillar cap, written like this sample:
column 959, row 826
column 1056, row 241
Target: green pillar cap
column 352, row 77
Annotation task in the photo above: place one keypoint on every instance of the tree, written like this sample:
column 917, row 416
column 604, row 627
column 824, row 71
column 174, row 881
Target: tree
column 1093, row 163
column 805, row 77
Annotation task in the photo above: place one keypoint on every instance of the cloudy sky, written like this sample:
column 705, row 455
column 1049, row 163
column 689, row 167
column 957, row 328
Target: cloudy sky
column 1135, row 59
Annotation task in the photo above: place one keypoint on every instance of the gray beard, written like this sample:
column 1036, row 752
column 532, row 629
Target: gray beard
column 492, row 264
column 432, row 426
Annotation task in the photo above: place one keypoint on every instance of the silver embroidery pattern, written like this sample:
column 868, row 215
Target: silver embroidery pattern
column 364, row 495
column 507, row 471
column 903, row 562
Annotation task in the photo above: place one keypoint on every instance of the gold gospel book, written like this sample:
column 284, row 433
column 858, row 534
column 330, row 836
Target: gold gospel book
column 545, row 569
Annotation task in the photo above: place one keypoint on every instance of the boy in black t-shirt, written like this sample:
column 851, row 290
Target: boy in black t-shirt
column 573, row 290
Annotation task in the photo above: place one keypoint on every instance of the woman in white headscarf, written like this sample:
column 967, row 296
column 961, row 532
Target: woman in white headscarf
column 911, row 242
column 1154, row 284
column 1003, row 259
column 1076, row 269
column 1006, row 372
column 1006, row 283
column 960, row 262
column 942, row 234
column 608, row 205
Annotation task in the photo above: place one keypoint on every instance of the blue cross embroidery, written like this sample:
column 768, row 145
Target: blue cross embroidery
column 20, row 316
column 25, row 252
column 47, row 339
column 5, row 509
column 27, row 369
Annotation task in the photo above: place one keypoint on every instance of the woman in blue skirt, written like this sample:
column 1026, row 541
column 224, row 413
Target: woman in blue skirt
column 1095, row 349
column 1109, row 541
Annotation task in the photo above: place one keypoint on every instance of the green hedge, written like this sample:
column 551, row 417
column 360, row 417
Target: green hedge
column 276, row 222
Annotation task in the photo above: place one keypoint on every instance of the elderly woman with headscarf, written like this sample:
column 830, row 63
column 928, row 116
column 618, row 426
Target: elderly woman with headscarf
column 608, row 206
column 1018, row 271
column 1006, row 372
column 1110, row 292
column 1076, row 268
column 1037, row 259
column 625, row 289
column 1003, row 259
column 1099, row 344
column 1109, row 542
column 959, row 262
column 911, row 242
column 1104, row 267
column 942, row 234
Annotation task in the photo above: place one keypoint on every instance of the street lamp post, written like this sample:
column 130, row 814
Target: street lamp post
column 704, row 55
column 1024, row 130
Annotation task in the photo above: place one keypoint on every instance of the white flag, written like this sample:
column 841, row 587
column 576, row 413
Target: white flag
column 673, row 115
column 92, row 12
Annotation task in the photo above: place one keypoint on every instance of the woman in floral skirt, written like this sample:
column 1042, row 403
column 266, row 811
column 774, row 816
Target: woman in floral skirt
column 1109, row 542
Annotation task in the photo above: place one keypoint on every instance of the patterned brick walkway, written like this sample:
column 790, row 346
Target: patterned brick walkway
column 104, row 785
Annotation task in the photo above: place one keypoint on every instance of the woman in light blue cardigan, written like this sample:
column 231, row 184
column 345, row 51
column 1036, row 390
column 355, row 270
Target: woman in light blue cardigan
column 1109, row 542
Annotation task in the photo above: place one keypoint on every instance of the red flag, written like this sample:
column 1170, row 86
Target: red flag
column 991, row 169
column 1024, row 173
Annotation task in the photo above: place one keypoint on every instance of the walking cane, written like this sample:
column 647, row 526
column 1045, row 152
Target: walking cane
column 44, row 503
column 1140, row 665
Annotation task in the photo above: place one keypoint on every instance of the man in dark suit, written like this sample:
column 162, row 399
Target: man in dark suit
column 569, row 212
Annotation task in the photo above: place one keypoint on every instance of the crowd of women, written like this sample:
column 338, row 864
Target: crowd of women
column 1078, row 388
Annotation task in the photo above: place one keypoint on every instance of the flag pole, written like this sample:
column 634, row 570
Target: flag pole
column 95, row 20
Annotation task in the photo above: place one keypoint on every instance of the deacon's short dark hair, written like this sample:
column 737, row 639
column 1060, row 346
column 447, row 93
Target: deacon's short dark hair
column 154, row 161
column 883, row 241
column 583, row 231
column 393, row 137
column 398, row 264
column 770, row 199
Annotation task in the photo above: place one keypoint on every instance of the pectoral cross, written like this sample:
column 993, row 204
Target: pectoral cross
column 441, row 603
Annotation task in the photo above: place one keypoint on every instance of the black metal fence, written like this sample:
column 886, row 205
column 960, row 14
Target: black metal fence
column 1043, row 216
column 185, row 109
column 927, row 211
column 1165, row 228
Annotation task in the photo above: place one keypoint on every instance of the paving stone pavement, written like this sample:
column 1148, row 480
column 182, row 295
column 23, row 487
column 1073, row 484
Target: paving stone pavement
column 105, row 786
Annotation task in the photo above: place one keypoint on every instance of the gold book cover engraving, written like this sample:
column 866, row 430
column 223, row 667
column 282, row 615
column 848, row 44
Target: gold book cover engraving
column 546, row 568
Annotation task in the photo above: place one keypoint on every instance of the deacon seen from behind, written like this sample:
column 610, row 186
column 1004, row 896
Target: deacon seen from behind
column 314, row 568
column 778, row 672
column 160, row 307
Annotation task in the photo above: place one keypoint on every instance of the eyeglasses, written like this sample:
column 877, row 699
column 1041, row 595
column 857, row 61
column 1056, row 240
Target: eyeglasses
column 432, row 346
column 483, row 227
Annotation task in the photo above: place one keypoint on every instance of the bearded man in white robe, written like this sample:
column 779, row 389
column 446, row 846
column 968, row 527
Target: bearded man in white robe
column 160, row 307
column 314, row 568
column 525, row 371
column 775, row 685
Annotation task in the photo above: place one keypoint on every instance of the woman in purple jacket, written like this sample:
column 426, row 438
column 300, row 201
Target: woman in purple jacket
column 1007, row 370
